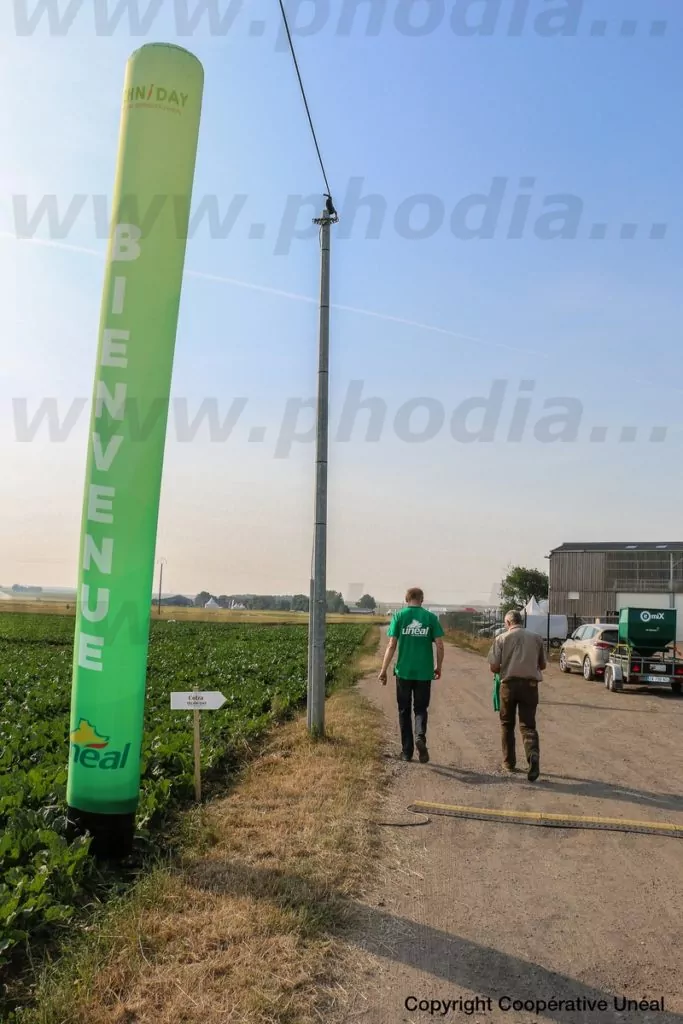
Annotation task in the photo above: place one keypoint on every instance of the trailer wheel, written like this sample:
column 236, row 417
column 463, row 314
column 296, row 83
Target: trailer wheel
column 676, row 688
column 556, row 642
column 588, row 673
column 611, row 681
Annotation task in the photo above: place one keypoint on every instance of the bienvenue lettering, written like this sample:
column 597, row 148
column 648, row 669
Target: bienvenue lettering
column 101, row 498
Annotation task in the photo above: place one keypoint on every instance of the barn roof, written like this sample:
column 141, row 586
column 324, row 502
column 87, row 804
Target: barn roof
column 675, row 545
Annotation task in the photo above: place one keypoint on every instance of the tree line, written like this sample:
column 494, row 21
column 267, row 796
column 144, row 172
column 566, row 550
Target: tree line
column 271, row 602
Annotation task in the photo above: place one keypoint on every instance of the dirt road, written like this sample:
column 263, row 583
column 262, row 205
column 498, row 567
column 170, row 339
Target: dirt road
column 469, row 909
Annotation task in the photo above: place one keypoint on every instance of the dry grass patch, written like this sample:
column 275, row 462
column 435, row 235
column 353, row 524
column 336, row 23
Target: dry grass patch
column 482, row 645
column 476, row 644
column 48, row 606
column 248, row 927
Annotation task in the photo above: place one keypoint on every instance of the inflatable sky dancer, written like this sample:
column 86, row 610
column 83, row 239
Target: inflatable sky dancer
column 157, row 152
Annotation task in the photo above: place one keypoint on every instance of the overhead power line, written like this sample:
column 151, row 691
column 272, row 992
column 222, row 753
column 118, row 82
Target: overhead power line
column 303, row 94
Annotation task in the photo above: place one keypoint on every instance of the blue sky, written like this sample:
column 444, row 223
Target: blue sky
column 440, row 115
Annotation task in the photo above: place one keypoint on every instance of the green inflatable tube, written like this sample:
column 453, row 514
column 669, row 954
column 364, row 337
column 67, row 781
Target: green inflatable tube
column 157, row 153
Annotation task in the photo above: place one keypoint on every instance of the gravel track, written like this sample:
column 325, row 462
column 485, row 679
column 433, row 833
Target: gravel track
column 474, row 908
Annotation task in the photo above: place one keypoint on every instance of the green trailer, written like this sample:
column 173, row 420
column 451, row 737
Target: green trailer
column 646, row 652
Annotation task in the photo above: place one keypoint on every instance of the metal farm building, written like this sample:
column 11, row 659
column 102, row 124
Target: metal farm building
column 594, row 581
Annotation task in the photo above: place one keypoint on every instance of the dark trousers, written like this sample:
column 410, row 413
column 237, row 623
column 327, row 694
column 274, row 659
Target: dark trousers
column 412, row 693
column 518, row 695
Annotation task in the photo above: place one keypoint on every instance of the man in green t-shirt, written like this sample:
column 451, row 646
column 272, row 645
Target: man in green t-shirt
column 414, row 631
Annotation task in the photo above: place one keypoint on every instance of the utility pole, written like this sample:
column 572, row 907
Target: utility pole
column 162, row 563
column 318, row 604
column 311, row 598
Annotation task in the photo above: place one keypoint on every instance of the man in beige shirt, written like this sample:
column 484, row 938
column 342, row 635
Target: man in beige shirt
column 519, row 658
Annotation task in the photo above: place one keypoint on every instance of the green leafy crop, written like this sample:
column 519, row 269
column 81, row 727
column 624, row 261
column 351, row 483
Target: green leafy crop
column 261, row 669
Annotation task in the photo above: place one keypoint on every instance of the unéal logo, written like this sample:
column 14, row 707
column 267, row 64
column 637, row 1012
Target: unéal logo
column 416, row 628
column 88, row 747
column 157, row 95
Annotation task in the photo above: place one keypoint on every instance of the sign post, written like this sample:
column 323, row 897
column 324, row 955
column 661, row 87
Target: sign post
column 197, row 758
column 196, row 701
column 573, row 596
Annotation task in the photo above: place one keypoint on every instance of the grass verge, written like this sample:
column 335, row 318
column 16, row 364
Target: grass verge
column 476, row 644
column 245, row 924
column 482, row 645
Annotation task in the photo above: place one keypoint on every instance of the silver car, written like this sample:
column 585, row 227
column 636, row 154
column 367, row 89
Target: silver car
column 588, row 649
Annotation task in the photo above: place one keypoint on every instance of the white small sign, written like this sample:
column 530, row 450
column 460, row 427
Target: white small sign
column 209, row 700
column 574, row 595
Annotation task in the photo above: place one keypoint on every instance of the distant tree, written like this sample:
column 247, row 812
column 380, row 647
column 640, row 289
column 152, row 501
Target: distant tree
column 335, row 602
column 520, row 585
column 367, row 601
column 179, row 601
column 300, row 603
column 202, row 598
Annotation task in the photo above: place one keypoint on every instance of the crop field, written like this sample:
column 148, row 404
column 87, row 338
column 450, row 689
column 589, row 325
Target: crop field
column 261, row 669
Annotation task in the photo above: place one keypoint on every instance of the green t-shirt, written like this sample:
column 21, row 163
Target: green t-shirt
column 416, row 629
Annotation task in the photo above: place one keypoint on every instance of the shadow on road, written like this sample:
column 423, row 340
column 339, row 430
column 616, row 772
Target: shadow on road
column 489, row 972
column 660, row 693
column 566, row 784
column 657, row 693
column 483, row 970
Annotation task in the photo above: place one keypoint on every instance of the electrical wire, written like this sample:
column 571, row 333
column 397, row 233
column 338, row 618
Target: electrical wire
column 303, row 93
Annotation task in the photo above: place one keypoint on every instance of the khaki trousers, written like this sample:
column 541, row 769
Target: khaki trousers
column 518, row 695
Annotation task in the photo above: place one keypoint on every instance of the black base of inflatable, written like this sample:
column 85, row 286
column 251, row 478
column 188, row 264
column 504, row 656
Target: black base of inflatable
column 112, row 834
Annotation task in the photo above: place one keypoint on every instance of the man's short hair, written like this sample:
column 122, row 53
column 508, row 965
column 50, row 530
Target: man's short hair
column 414, row 594
column 514, row 618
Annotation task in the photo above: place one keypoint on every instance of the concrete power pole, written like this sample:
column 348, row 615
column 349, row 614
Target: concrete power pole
column 162, row 563
column 318, row 605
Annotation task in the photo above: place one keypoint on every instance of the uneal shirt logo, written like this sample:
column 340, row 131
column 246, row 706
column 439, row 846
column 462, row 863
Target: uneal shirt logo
column 415, row 629
column 648, row 616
